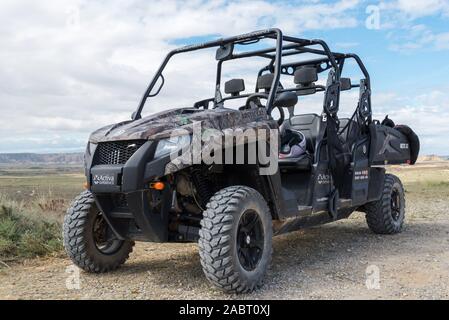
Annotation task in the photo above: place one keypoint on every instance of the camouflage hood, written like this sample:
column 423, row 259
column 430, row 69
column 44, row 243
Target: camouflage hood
column 162, row 124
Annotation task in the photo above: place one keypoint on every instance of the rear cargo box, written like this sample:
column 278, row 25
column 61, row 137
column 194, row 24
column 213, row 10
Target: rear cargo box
column 389, row 146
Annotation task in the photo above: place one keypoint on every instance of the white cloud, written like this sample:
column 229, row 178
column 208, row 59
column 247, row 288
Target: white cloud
column 420, row 8
column 426, row 113
column 441, row 41
column 407, row 32
column 416, row 37
column 67, row 68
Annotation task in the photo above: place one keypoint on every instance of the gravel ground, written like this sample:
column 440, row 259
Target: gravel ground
column 327, row 262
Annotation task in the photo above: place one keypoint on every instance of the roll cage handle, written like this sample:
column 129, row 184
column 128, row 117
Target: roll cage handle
column 160, row 87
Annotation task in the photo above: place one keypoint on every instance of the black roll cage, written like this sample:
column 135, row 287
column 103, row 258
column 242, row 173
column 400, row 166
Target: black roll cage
column 332, row 60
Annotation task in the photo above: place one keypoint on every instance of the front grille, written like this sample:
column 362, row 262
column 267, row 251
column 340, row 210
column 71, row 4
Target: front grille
column 116, row 152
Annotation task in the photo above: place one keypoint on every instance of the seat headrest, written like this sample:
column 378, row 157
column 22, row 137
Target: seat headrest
column 265, row 81
column 305, row 75
column 234, row 86
column 345, row 84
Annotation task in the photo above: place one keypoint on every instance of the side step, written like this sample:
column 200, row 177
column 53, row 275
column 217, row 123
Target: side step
column 304, row 210
column 307, row 218
column 345, row 203
column 121, row 215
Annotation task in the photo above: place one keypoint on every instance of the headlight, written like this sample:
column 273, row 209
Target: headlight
column 171, row 145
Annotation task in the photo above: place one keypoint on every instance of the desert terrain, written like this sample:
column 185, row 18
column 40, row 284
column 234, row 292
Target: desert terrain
column 334, row 261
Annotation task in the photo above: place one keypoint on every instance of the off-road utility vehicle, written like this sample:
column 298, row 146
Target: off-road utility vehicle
column 139, row 190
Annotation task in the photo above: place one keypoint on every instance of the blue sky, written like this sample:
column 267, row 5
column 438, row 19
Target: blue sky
column 69, row 67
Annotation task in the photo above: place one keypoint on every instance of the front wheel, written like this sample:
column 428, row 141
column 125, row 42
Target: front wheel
column 236, row 239
column 88, row 239
column 386, row 215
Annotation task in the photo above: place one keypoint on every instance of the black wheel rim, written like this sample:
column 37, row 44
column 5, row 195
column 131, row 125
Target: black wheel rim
column 250, row 240
column 104, row 239
column 395, row 204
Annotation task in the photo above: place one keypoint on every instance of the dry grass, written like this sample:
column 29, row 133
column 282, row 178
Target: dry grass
column 28, row 230
column 33, row 203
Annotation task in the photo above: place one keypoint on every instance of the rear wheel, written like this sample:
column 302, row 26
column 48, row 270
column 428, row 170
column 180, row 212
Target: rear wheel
column 386, row 216
column 236, row 239
column 88, row 239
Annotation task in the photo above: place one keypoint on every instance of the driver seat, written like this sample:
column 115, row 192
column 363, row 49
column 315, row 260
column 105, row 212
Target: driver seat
column 304, row 161
column 288, row 161
column 308, row 125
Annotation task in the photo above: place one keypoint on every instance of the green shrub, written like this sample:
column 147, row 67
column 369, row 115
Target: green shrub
column 438, row 184
column 27, row 232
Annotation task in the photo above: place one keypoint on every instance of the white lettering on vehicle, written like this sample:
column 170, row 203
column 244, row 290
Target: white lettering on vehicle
column 101, row 179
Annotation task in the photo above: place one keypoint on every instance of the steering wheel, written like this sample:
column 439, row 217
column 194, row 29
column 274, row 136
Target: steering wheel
column 253, row 97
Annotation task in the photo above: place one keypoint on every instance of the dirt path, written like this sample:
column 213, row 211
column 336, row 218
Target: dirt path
column 328, row 262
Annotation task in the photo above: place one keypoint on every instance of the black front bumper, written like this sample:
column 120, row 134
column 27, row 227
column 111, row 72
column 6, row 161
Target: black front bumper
column 145, row 216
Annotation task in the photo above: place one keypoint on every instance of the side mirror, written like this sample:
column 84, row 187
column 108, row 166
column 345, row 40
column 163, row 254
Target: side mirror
column 286, row 99
column 224, row 51
column 345, row 84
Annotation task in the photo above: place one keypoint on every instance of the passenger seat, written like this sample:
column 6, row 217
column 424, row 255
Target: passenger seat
column 309, row 125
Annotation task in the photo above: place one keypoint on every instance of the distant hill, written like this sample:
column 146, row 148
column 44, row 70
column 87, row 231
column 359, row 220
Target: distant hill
column 37, row 158
column 431, row 157
column 77, row 158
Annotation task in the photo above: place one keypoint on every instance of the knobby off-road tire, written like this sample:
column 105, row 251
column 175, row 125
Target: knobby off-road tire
column 236, row 239
column 81, row 241
column 386, row 216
